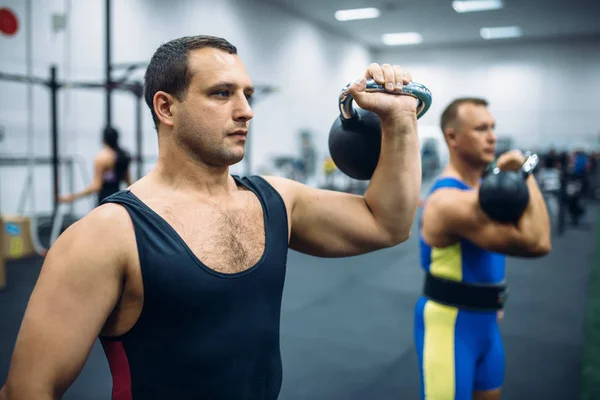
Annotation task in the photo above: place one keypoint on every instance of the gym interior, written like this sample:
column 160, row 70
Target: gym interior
column 70, row 68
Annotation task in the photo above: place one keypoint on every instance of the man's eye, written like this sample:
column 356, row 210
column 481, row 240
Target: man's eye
column 223, row 93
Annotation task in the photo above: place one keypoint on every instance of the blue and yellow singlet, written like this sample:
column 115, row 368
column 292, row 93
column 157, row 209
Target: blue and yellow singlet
column 459, row 351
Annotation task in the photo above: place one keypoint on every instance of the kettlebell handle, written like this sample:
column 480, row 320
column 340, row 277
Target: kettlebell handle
column 414, row 89
column 529, row 165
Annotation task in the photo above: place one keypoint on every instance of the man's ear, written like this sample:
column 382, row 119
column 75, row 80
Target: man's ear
column 450, row 135
column 163, row 107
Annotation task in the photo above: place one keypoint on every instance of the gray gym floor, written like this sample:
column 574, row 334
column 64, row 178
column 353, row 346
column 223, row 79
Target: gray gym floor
column 347, row 324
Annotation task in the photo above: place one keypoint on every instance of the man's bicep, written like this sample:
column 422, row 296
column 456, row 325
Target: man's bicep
column 457, row 214
column 334, row 224
column 327, row 223
column 78, row 286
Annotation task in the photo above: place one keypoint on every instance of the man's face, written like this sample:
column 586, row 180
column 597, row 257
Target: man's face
column 211, row 122
column 473, row 135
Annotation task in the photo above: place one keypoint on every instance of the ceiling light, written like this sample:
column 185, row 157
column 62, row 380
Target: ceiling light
column 476, row 5
column 398, row 39
column 357, row 13
column 502, row 32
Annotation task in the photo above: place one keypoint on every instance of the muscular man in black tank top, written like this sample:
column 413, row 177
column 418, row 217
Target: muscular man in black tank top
column 181, row 276
column 111, row 167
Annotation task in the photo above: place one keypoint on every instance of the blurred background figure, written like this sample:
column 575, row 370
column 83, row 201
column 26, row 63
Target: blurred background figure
column 111, row 168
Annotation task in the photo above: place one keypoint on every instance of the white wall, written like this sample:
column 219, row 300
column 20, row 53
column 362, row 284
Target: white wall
column 543, row 94
column 308, row 65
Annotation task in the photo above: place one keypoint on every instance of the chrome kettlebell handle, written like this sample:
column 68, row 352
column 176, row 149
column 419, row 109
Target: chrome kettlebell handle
column 528, row 167
column 413, row 89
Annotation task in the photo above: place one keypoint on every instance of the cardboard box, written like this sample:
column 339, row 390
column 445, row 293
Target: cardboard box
column 16, row 237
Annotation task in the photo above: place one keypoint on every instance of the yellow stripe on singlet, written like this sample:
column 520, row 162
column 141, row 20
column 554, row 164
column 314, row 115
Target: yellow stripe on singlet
column 446, row 262
column 440, row 321
column 438, row 351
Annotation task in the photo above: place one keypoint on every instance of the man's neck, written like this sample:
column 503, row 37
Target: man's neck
column 465, row 171
column 181, row 171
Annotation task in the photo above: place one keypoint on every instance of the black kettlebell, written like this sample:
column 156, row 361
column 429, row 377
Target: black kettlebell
column 355, row 137
column 504, row 195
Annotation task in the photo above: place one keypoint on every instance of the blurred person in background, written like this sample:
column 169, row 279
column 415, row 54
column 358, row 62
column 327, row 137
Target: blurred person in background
column 456, row 326
column 111, row 168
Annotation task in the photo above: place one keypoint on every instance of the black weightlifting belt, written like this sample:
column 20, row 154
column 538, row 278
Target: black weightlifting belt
column 463, row 295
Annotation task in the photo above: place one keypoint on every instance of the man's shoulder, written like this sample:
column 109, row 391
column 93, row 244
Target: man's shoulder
column 278, row 183
column 274, row 180
column 101, row 239
column 289, row 190
column 448, row 204
column 104, row 223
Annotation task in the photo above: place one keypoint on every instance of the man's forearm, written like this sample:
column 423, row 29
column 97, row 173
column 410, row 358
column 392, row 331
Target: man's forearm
column 394, row 190
column 535, row 222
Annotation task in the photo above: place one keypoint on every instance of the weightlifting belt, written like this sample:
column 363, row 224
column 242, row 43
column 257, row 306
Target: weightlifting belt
column 468, row 296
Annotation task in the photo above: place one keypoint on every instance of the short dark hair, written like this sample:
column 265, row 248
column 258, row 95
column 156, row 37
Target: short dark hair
column 168, row 69
column 451, row 112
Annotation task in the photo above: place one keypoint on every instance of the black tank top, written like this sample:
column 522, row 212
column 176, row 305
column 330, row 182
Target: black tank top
column 202, row 334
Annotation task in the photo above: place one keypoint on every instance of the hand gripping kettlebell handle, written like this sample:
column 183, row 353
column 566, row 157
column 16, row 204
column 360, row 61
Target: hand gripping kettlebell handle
column 529, row 165
column 414, row 89
column 527, row 168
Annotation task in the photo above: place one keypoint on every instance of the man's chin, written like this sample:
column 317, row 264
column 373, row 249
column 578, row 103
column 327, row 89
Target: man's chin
column 235, row 158
column 488, row 158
